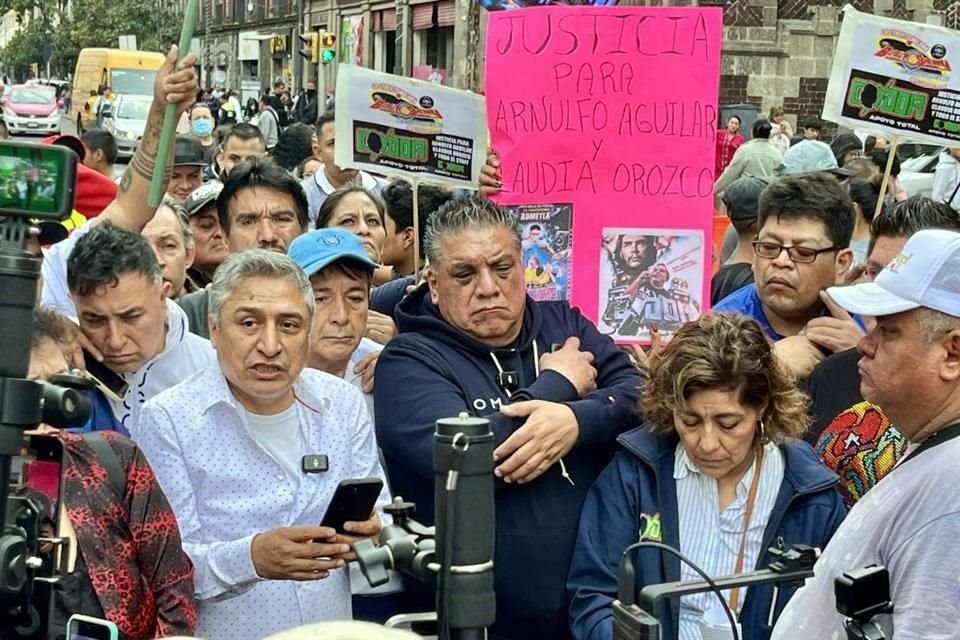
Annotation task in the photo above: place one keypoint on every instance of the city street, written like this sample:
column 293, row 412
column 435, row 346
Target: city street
column 68, row 126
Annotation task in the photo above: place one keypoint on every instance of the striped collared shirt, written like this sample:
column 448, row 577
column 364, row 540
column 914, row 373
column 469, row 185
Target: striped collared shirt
column 711, row 538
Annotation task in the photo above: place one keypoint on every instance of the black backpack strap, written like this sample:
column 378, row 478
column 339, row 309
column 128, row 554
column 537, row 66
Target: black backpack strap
column 110, row 461
column 949, row 201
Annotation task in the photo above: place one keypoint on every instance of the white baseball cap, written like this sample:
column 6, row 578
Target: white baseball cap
column 925, row 274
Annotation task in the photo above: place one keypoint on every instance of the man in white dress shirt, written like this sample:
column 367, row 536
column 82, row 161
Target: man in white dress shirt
column 230, row 458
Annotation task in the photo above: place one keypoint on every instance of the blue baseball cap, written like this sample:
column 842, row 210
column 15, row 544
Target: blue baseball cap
column 317, row 249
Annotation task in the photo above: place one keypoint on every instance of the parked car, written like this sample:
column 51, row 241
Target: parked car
column 126, row 119
column 32, row 109
column 916, row 174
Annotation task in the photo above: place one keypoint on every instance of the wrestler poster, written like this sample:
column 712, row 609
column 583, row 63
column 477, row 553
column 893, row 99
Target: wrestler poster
column 546, row 240
column 649, row 277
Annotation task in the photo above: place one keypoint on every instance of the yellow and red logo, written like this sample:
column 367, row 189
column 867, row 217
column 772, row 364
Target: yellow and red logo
column 924, row 65
column 415, row 113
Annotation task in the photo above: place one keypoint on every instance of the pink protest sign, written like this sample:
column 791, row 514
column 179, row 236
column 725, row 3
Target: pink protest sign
column 609, row 116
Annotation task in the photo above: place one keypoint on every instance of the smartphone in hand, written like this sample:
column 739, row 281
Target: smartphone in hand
column 353, row 501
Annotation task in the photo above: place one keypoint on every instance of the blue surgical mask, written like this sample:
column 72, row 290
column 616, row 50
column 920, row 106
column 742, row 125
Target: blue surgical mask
column 203, row 127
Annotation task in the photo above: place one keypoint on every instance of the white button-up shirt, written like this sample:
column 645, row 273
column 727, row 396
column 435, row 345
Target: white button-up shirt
column 225, row 488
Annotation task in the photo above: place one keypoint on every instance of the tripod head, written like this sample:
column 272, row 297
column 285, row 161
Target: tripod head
column 406, row 545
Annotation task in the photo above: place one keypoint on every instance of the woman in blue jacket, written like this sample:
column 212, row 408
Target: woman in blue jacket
column 716, row 472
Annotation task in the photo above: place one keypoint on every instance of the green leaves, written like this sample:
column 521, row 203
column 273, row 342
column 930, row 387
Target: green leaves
column 89, row 23
column 24, row 49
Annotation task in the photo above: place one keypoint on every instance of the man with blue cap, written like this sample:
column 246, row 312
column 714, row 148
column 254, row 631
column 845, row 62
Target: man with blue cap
column 340, row 274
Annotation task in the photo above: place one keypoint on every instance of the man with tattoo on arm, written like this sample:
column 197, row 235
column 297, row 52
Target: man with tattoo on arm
column 106, row 277
column 175, row 84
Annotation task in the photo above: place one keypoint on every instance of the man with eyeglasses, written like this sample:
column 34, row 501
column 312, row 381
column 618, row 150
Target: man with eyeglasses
column 261, row 206
column 804, row 226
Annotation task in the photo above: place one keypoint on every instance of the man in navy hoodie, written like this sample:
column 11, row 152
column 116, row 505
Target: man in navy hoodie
column 557, row 394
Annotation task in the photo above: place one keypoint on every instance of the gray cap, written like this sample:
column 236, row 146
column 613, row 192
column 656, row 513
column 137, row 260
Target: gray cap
column 202, row 196
column 188, row 151
column 809, row 155
column 742, row 197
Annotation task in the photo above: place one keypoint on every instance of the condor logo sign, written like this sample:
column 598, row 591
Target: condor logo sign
column 925, row 65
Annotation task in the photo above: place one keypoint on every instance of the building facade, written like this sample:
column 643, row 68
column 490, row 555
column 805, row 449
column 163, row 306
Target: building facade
column 775, row 52
column 778, row 52
column 9, row 25
column 249, row 44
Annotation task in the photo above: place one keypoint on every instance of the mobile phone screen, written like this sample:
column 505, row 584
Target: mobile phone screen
column 85, row 628
column 36, row 489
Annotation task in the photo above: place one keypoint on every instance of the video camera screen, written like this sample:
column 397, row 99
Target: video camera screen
column 36, row 180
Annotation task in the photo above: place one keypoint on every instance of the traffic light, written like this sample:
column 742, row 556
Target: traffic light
column 328, row 44
column 312, row 49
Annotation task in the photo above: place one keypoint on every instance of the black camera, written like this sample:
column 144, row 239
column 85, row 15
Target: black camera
column 36, row 183
column 862, row 594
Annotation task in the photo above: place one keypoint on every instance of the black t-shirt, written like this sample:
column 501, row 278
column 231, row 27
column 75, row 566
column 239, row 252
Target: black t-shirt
column 728, row 279
column 834, row 387
column 209, row 152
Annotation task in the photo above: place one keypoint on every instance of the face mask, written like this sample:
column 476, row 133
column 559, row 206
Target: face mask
column 203, row 127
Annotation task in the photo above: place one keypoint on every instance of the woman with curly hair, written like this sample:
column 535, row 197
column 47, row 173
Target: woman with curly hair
column 717, row 472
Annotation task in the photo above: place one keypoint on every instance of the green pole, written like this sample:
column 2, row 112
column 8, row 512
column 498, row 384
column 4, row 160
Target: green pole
column 170, row 112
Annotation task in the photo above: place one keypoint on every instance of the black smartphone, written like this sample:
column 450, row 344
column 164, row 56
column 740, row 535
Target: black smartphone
column 37, row 180
column 109, row 382
column 353, row 501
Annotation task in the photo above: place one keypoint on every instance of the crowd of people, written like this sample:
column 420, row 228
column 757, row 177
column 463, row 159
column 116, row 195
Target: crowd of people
column 260, row 318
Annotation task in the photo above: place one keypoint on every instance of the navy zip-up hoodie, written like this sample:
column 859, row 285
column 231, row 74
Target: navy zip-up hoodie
column 432, row 370
column 640, row 481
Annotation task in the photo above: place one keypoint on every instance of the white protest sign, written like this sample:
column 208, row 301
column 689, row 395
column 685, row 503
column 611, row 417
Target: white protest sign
column 400, row 126
column 896, row 77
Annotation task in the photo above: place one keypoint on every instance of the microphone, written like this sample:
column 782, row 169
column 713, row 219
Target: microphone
column 464, row 494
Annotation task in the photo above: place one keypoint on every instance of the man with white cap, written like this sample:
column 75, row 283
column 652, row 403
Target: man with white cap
column 910, row 368
column 209, row 240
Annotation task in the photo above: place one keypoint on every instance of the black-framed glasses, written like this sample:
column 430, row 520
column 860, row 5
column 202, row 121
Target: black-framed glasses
column 772, row 251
